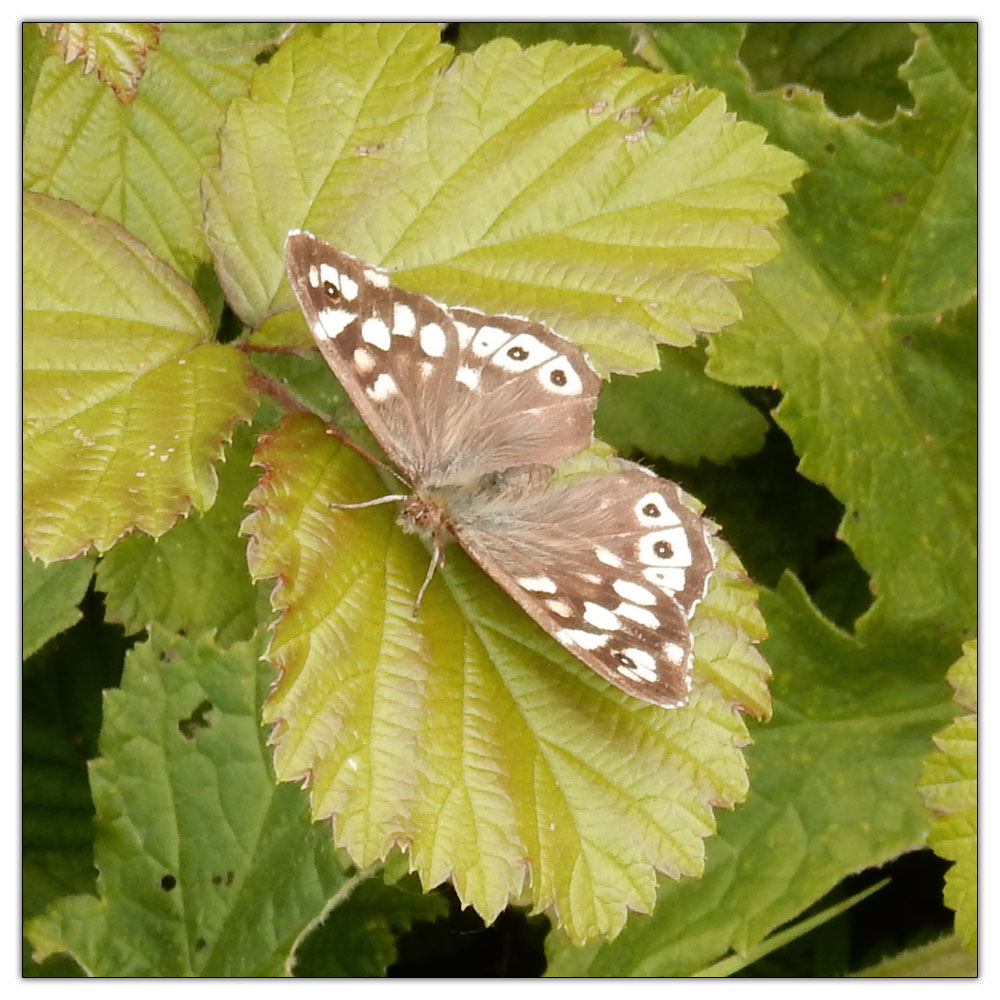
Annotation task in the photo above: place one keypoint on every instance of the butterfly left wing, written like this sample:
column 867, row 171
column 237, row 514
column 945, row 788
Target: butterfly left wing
column 450, row 393
column 611, row 566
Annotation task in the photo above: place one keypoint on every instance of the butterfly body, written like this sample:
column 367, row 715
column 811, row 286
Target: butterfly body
column 476, row 411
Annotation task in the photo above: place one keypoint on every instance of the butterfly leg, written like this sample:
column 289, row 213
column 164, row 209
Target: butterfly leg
column 437, row 559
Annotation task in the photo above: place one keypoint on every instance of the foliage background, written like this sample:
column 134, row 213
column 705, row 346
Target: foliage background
column 845, row 479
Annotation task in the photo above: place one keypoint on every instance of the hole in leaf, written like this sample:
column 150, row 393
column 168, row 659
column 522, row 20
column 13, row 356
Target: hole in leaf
column 195, row 721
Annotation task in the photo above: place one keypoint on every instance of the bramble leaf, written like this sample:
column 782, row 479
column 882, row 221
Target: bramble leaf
column 141, row 164
column 867, row 320
column 126, row 405
column 50, row 595
column 615, row 204
column 166, row 580
column 467, row 736
column 206, row 867
column 833, row 792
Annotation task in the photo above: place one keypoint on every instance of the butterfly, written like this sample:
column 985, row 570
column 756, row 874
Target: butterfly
column 475, row 411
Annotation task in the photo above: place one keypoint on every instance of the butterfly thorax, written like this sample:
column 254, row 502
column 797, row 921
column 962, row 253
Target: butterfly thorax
column 432, row 510
column 425, row 512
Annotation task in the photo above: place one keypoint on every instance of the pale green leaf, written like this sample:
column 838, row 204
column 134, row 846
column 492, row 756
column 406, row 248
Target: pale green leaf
column 616, row 204
column 950, row 787
column 142, row 164
column 205, row 866
column 467, row 736
column 49, row 596
column 833, row 792
column 126, row 406
column 194, row 578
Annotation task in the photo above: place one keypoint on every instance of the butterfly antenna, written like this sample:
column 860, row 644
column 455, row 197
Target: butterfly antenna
column 435, row 561
column 334, row 431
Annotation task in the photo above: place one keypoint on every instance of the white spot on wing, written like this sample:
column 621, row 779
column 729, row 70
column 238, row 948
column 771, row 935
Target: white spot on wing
column 383, row 387
column 364, row 360
column 330, row 274
column 662, row 517
column 641, row 662
column 559, row 376
column 582, row 638
column 521, row 353
column 331, row 323
column 633, row 592
column 469, row 377
column 674, row 538
column 376, row 333
column 600, row 617
column 403, row 320
column 607, row 557
column 538, row 584
column 314, row 275
column 378, row 278
column 488, row 339
column 433, row 340
column 560, row 608
column 669, row 579
column 465, row 333
column 642, row 616
column 674, row 653
column 348, row 288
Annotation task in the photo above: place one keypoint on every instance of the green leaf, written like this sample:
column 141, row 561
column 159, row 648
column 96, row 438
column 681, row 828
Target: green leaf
column 867, row 319
column 126, row 406
column 359, row 937
column 467, row 736
column 142, row 164
column 194, row 578
column 205, row 866
column 617, row 205
column 855, row 66
column 50, row 596
column 833, row 792
column 950, row 787
column 677, row 413
column 736, row 963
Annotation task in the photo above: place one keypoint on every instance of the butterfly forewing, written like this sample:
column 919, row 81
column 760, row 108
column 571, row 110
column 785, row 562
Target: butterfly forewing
column 474, row 410
column 450, row 394
column 612, row 566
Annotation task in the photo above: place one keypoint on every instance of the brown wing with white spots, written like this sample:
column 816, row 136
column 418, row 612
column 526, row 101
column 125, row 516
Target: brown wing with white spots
column 612, row 566
column 450, row 393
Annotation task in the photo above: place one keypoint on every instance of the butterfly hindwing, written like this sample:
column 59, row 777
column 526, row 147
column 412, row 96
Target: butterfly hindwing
column 611, row 566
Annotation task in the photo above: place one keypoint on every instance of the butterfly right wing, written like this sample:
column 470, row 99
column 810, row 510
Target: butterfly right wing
column 450, row 394
column 612, row 566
